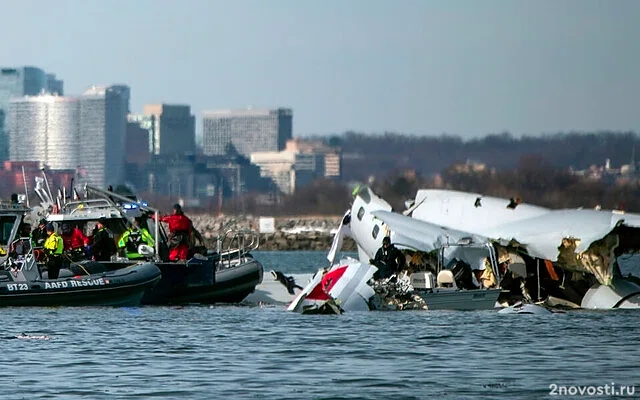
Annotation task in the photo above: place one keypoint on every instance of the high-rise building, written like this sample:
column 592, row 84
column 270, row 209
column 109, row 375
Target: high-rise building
column 174, row 130
column 45, row 129
column 330, row 167
column 24, row 81
column 137, row 152
column 289, row 170
column 55, row 86
column 103, row 124
column 249, row 131
column 147, row 122
column 17, row 82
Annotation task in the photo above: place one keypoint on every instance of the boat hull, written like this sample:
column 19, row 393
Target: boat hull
column 199, row 281
column 122, row 287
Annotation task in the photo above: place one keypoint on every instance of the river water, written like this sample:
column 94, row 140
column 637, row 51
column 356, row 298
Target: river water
column 240, row 352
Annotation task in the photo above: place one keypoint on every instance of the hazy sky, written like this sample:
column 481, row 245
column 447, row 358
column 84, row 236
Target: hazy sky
column 415, row 66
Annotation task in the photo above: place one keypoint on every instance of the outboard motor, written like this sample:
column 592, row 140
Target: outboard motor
column 463, row 275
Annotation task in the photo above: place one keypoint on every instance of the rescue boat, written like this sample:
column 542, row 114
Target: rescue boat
column 227, row 274
column 22, row 282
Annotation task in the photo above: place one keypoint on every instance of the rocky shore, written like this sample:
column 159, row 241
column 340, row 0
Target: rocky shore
column 290, row 233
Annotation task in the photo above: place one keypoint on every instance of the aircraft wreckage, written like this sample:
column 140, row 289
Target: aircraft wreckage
column 469, row 251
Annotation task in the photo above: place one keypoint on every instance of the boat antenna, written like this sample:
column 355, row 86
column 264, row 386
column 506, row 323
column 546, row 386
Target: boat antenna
column 538, row 273
column 70, row 188
column 26, row 189
column 46, row 181
column 59, row 200
column 40, row 192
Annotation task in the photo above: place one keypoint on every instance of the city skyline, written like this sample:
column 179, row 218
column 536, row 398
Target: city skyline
column 417, row 67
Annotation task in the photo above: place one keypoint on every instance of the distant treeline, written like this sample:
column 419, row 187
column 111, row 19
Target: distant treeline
column 534, row 169
column 531, row 182
column 367, row 155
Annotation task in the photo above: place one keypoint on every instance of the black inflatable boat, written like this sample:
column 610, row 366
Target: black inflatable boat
column 122, row 287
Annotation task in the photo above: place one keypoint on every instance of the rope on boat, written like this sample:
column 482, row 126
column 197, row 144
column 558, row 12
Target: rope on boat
column 76, row 264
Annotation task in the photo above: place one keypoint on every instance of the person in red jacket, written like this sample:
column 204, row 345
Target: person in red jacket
column 74, row 241
column 180, row 227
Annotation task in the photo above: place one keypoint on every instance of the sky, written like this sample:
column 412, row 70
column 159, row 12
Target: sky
column 422, row 67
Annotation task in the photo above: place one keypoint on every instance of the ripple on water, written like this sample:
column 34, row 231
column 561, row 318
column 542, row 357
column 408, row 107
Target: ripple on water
column 199, row 352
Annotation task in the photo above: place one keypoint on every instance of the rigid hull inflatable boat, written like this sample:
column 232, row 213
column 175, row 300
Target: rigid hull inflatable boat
column 22, row 283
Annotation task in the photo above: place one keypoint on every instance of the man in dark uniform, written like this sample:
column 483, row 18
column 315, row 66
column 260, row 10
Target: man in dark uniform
column 388, row 259
column 103, row 246
column 39, row 235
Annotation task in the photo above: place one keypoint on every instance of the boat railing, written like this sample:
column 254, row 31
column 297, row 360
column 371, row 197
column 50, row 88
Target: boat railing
column 22, row 263
column 74, row 207
column 233, row 246
column 13, row 206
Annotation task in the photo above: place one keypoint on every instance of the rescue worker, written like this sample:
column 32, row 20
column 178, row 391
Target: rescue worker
column 74, row 242
column 180, row 228
column 53, row 248
column 388, row 259
column 39, row 235
column 134, row 237
column 103, row 246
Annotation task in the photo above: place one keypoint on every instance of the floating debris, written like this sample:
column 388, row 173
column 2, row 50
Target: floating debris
column 25, row 336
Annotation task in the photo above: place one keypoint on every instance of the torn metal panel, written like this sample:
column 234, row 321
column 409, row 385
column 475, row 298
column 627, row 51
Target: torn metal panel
column 465, row 211
column 538, row 254
column 579, row 240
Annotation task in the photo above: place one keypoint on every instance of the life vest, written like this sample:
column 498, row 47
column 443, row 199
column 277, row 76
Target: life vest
column 132, row 238
column 54, row 244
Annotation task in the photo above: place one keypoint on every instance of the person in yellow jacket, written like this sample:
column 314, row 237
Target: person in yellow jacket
column 53, row 248
column 132, row 238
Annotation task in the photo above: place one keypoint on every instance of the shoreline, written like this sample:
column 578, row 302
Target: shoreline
column 290, row 233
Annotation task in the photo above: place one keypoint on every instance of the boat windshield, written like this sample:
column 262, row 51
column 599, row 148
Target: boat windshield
column 7, row 222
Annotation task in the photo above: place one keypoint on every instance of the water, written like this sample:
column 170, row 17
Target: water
column 201, row 352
